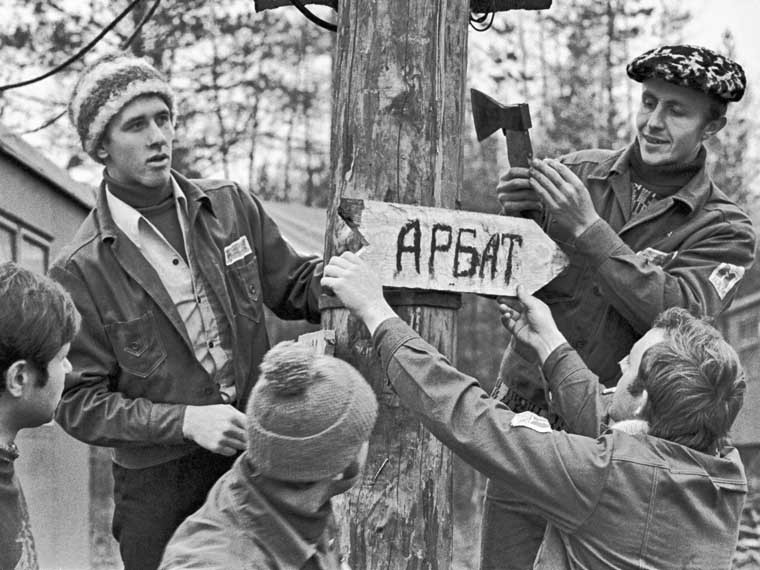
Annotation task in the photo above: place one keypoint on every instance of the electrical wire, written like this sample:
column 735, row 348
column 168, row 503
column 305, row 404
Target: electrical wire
column 312, row 17
column 77, row 55
column 148, row 15
column 484, row 21
column 45, row 125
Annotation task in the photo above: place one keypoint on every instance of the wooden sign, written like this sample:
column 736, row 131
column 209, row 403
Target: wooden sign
column 452, row 250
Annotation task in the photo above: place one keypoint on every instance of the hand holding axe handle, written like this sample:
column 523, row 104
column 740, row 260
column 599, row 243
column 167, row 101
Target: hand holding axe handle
column 514, row 120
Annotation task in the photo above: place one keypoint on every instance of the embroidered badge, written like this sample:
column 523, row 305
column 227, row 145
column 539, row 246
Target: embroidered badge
column 655, row 256
column 725, row 276
column 531, row 421
column 237, row 250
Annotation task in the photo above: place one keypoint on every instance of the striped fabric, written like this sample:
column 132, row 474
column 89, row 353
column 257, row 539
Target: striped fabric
column 105, row 88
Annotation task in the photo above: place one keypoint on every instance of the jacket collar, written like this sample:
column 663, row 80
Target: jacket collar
column 283, row 542
column 617, row 166
column 196, row 198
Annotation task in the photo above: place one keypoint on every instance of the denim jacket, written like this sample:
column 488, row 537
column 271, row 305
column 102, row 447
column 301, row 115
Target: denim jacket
column 134, row 368
column 614, row 502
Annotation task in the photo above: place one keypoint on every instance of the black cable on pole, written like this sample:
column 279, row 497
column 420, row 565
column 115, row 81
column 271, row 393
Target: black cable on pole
column 312, row 17
column 77, row 55
column 484, row 21
column 148, row 15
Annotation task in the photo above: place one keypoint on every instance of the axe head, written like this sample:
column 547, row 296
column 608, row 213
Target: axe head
column 489, row 115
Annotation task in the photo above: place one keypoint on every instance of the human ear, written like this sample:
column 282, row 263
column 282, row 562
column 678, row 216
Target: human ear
column 16, row 377
column 713, row 127
column 642, row 403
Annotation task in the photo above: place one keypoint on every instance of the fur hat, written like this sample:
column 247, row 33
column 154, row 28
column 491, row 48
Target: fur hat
column 694, row 67
column 308, row 415
column 105, row 87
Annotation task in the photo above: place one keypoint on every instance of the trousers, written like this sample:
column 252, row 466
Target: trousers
column 150, row 503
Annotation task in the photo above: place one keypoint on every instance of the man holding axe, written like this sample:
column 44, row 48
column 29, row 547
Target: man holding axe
column 645, row 229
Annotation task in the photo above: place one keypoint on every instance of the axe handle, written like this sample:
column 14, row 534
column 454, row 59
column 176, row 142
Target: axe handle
column 519, row 153
column 519, row 149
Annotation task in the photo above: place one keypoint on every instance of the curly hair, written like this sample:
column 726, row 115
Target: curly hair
column 37, row 317
column 694, row 380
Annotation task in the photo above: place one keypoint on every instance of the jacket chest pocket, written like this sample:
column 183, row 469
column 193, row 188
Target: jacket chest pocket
column 137, row 345
column 244, row 283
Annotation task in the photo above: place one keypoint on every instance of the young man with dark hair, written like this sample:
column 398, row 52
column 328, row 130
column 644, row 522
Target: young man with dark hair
column 655, row 491
column 645, row 229
column 171, row 276
column 38, row 320
column 309, row 421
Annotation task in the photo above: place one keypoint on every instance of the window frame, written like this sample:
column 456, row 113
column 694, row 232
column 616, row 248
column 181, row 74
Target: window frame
column 22, row 232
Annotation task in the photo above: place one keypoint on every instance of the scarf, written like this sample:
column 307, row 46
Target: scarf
column 664, row 179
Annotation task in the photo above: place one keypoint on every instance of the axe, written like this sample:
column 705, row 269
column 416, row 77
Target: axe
column 514, row 120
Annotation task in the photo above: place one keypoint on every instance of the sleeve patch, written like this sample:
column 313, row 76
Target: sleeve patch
column 725, row 276
column 531, row 421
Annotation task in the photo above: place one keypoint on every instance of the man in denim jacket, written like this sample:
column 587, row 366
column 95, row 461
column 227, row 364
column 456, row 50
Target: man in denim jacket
column 171, row 276
column 658, row 490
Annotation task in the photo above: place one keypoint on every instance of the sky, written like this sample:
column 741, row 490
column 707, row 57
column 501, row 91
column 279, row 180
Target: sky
column 710, row 18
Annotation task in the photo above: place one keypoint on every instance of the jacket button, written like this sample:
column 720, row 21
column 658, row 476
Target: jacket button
column 208, row 391
column 597, row 290
column 579, row 344
column 175, row 261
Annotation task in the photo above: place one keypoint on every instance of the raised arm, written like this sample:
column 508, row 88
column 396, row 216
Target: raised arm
column 574, row 391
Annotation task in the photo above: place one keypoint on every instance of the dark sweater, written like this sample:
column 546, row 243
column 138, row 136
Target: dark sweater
column 17, row 550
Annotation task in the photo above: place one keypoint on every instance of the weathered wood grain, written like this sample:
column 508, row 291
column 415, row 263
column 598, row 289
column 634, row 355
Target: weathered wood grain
column 398, row 116
column 453, row 250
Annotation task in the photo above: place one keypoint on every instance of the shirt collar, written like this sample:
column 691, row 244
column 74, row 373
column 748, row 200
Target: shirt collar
column 128, row 219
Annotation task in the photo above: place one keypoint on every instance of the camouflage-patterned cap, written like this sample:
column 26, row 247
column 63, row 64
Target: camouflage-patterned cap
column 691, row 66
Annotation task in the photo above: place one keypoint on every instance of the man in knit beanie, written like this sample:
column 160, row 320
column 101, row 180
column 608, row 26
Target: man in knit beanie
column 645, row 229
column 171, row 276
column 309, row 421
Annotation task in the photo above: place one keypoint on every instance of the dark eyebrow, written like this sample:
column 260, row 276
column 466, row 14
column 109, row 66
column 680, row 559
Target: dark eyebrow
column 133, row 120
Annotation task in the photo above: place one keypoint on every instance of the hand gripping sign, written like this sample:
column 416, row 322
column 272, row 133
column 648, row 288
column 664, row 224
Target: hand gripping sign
column 437, row 249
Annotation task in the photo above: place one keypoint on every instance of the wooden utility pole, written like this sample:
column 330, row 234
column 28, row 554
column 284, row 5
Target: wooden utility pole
column 397, row 121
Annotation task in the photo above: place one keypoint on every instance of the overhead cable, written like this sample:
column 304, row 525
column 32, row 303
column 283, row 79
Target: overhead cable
column 77, row 55
column 148, row 15
column 312, row 17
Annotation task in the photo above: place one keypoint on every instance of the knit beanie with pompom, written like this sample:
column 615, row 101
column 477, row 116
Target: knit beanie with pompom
column 308, row 415
column 105, row 88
